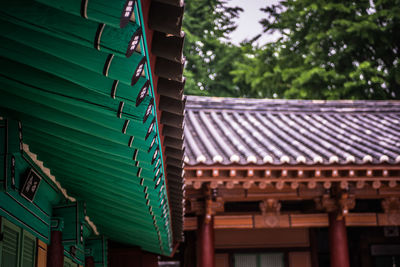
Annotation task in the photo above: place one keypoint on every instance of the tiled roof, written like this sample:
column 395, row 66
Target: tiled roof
column 263, row 131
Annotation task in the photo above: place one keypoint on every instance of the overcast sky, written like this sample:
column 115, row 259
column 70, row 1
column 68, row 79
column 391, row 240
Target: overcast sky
column 248, row 22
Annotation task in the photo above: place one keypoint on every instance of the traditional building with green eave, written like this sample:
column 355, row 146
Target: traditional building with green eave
column 91, row 132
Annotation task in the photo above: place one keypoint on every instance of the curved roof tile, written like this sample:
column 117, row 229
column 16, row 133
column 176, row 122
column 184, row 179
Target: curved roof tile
column 264, row 131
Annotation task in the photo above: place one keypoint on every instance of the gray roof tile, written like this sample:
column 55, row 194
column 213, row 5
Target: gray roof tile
column 263, row 131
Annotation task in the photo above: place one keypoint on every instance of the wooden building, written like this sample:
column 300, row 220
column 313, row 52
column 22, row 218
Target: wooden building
column 91, row 125
column 293, row 183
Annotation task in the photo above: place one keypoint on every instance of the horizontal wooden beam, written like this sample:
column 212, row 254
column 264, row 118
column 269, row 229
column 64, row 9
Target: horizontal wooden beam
column 204, row 179
column 294, row 221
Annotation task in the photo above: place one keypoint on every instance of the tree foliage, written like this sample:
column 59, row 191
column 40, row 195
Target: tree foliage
column 209, row 53
column 329, row 50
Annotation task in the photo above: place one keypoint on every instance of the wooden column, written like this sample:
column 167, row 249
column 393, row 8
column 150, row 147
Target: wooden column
column 205, row 241
column 313, row 246
column 89, row 261
column 55, row 251
column 125, row 257
column 189, row 255
column 338, row 247
column 149, row 260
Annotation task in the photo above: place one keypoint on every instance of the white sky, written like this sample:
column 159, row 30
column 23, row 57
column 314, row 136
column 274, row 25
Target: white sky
column 248, row 21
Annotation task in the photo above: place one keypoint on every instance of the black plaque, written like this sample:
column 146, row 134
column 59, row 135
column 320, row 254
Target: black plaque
column 31, row 185
column 385, row 249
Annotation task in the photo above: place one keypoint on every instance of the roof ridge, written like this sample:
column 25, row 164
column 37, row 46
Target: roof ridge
column 291, row 105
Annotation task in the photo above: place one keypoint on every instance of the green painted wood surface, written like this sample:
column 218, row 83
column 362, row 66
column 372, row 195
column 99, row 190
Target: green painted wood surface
column 44, row 19
column 122, row 69
column 59, row 67
column 107, row 154
column 109, row 167
column 52, row 80
column 98, row 249
column 10, row 246
column 36, row 214
column 49, row 85
column 74, row 117
column 95, row 9
column 73, row 215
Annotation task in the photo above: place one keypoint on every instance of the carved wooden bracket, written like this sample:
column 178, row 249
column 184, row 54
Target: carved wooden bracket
column 340, row 204
column 270, row 210
column 201, row 207
column 346, row 202
column 270, row 205
column 218, row 205
column 212, row 207
column 391, row 206
column 209, row 211
column 197, row 207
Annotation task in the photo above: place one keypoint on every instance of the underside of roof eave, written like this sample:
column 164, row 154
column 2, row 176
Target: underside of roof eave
column 165, row 42
column 88, row 110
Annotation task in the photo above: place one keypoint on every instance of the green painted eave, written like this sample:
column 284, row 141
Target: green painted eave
column 77, row 101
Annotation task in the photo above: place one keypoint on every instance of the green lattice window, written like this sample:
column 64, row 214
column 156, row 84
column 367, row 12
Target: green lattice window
column 18, row 247
column 259, row 260
column 69, row 263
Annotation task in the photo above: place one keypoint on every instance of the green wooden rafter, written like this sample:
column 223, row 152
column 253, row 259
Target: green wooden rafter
column 83, row 102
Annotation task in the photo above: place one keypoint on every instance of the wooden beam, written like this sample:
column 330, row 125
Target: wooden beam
column 255, row 221
column 232, row 221
column 361, row 219
column 302, row 180
column 309, row 220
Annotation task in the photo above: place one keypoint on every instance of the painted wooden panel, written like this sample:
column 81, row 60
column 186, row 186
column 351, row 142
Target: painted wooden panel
column 295, row 221
column 245, row 260
column 309, row 220
column 244, row 221
column 271, row 260
column 222, row 260
column 387, row 219
column 361, row 219
column 190, row 223
column 261, row 238
column 97, row 248
column 280, row 221
column 41, row 254
column 299, row 259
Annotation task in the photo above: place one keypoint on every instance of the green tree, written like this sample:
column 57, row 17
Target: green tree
column 209, row 53
column 329, row 50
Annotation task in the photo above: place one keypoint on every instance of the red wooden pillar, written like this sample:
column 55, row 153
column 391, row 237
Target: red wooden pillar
column 55, row 251
column 313, row 247
column 205, row 242
column 339, row 251
column 149, row 260
column 89, row 261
